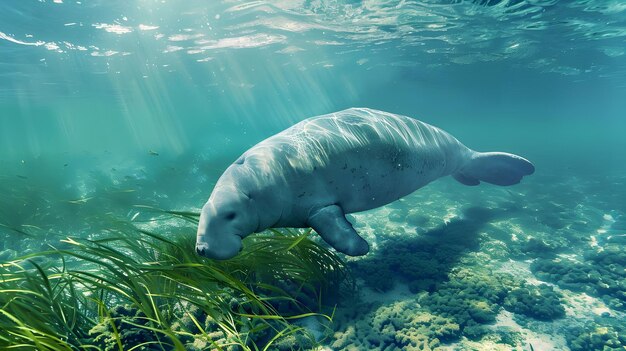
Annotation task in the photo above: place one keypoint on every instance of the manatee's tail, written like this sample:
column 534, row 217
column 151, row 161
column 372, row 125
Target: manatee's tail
column 497, row 168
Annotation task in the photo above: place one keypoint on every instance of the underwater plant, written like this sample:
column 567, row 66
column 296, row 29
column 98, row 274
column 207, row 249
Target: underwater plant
column 601, row 274
column 402, row 325
column 425, row 260
column 469, row 299
column 41, row 308
column 541, row 302
column 135, row 289
column 602, row 333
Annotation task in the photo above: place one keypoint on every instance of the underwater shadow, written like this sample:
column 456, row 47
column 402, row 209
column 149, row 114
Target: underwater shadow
column 423, row 261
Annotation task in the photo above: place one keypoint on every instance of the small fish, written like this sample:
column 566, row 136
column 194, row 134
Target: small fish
column 153, row 153
column 124, row 191
column 81, row 200
column 31, row 226
column 21, row 176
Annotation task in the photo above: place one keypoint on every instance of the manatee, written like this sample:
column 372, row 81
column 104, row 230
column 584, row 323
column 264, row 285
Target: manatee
column 322, row 168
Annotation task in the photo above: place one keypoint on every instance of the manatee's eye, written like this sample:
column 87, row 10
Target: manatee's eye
column 230, row 216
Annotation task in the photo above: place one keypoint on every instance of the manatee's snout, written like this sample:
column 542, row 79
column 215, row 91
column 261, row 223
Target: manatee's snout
column 225, row 220
column 219, row 248
column 215, row 239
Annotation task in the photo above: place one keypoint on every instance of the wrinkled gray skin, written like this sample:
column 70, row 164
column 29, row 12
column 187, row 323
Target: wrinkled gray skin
column 324, row 167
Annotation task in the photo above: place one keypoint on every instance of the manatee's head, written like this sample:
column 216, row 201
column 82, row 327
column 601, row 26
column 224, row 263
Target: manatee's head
column 228, row 217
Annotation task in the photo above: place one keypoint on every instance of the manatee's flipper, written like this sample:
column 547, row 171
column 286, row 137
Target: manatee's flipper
column 497, row 168
column 331, row 224
column 463, row 179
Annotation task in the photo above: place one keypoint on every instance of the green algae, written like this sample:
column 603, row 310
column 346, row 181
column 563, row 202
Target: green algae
column 601, row 274
column 602, row 333
column 469, row 299
column 541, row 302
column 400, row 325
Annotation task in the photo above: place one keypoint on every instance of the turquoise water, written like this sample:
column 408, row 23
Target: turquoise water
column 105, row 105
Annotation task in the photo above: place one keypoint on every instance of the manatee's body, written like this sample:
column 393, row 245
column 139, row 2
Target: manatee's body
column 315, row 172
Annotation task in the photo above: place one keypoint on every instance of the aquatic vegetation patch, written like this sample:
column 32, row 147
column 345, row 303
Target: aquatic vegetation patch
column 140, row 289
column 42, row 308
column 401, row 325
column 125, row 325
column 464, row 307
column 469, row 299
column 601, row 334
column 425, row 260
column 541, row 302
column 602, row 274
